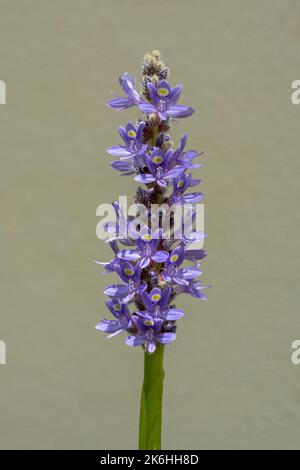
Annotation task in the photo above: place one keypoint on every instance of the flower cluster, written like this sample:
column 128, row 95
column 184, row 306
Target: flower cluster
column 154, row 267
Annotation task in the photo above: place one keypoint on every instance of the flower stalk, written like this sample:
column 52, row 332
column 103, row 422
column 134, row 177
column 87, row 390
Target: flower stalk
column 155, row 261
column 151, row 401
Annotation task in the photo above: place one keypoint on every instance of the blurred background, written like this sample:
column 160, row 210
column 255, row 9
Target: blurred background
column 229, row 379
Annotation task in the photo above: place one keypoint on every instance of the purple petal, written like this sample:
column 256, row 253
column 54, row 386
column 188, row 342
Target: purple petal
column 129, row 255
column 109, row 326
column 139, row 132
column 147, row 108
column 144, row 178
column 165, row 297
column 175, row 94
column 160, row 256
column 152, row 92
column 119, row 103
column 135, row 340
column 180, row 280
column 128, row 86
column 144, row 262
column 165, row 338
column 162, row 116
column 179, row 111
column 164, row 84
column 192, row 198
column 122, row 132
column 194, row 254
column 147, row 301
column 174, row 172
column 190, row 273
column 173, row 314
column 122, row 166
column 177, row 255
column 151, row 347
column 118, row 151
column 194, row 182
column 141, row 289
column 116, row 290
column 155, row 292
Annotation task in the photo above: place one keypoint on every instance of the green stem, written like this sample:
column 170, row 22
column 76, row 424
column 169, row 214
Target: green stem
column 151, row 401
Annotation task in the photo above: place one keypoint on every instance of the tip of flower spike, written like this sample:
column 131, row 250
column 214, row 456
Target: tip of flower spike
column 153, row 71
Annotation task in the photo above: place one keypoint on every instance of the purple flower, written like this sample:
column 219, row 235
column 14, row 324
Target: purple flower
column 133, row 148
column 180, row 185
column 157, row 304
column 159, row 167
column 132, row 97
column 164, row 99
column 173, row 274
column 123, row 320
column 147, row 250
column 119, row 229
column 186, row 158
column 149, row 333
column 131, row 276
column 194, row 289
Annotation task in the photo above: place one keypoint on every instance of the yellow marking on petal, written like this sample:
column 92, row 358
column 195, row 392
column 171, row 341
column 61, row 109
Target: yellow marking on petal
column 146, row 237
column 157, row 159
column 117, row 307
column 180, row 184
column 155, row 297
column 148, row 322
column 163, row 91
column 131, row 133
column 174, row 258
column 128, row 271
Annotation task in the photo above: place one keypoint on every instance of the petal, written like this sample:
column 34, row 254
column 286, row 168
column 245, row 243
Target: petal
column 180, row 280
column 179, row 111
column 118, row 151
column 155, row 295
column 139, row 132
column 177, row 255
column 175, row 94
column 129, row 255
column 116, row 290
column 165, row 338
column 147, row 301
column 109, row 326
column 162, row 116
column 151, row 347
column 190, row 273
column 141, row 289
column 160, row 256
column 174, row 172
column 144, row 262
column 128, row 86
column 192, row 198
column 144, row 178
column 119, row 103
column 164, row 84
column 194, row 254
column 173, row 314
column 135, row 340
column 122, row 132
column 147, row 108
column 165, row 297
column 152, row 92
column 122, row 166
column 194, row 182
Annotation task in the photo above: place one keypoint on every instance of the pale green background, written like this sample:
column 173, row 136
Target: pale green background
column 230, row 382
